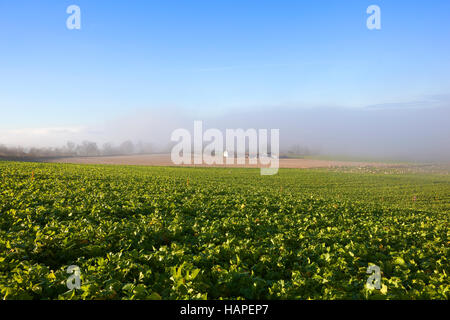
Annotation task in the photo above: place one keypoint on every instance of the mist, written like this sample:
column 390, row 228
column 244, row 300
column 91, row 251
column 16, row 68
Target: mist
column 412, row 132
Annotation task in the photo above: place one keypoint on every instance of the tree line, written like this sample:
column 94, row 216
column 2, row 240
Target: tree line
column 71, row 149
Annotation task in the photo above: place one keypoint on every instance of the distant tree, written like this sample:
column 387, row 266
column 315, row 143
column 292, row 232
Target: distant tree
column 144, row 147
column 108, row 149
column 88, row 149
column 70, row 146
column 126, row 147
column 3, row 150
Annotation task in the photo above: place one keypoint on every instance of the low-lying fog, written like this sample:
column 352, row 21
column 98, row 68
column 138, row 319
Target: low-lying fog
column 414, row 131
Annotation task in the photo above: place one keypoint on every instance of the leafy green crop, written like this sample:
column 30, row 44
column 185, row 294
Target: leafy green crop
column 211, row 233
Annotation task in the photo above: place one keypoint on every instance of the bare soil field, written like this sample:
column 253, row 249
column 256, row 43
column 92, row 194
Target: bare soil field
column 164, row 160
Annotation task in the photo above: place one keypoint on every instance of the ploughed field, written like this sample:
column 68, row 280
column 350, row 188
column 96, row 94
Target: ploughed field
column 209, row 233
column 165, row 160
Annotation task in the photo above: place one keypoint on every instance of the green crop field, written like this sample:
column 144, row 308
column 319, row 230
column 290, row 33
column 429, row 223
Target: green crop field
column 211, row 233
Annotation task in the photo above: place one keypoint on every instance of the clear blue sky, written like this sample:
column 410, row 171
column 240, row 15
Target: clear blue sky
column 213, row 56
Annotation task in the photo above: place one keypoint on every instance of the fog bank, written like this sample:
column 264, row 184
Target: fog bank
column 400, row 132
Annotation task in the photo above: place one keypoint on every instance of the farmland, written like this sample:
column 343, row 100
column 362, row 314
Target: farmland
column 209, row 233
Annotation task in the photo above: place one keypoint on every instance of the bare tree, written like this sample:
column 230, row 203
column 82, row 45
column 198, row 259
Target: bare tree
column 70, row 147
column 126, row 147
column 88, row 149
column 143, row 147
column 108, row 149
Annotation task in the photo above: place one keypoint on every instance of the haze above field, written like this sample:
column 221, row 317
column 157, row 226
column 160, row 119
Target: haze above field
column 313, row 70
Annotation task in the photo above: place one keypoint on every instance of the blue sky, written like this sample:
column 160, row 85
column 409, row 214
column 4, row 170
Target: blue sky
column 213, row 57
